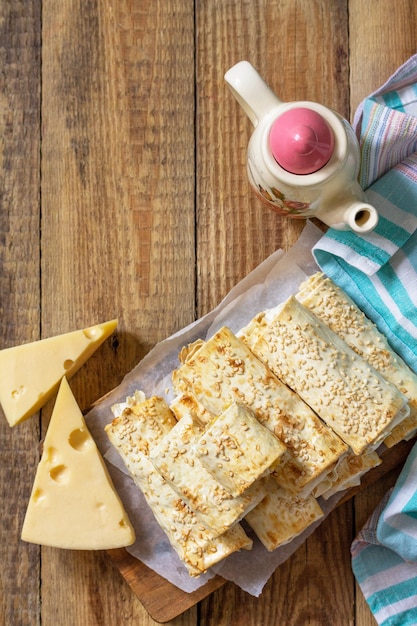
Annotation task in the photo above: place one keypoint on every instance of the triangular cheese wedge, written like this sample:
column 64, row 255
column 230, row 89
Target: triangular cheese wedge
column 73, row 503
column 30, row 373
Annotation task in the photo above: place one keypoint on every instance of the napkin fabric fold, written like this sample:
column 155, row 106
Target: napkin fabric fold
column 379, row 271
column 384, row 554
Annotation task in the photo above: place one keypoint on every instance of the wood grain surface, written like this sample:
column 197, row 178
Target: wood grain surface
column 123, row 193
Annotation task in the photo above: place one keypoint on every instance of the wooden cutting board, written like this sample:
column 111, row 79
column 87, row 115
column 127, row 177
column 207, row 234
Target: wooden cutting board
column 165, row 602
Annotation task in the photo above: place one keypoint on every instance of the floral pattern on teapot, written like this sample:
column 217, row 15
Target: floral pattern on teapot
column 277, row 200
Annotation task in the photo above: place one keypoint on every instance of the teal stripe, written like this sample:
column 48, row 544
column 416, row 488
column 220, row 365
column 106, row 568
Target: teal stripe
column 410, row 251
column 396, row 187
column 412, row 512
column 393, row 100
column 410, row 509
column 388, row 230
column 359, row 245
column 393, row 593
column 398, row 292
column 412, row 102
column 361, row 289
column 372, row 560
column 405, row 618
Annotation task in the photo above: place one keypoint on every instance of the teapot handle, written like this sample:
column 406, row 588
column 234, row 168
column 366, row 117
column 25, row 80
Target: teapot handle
column 251, row 91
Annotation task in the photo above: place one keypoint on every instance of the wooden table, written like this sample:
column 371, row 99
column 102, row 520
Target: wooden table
column 124, row 193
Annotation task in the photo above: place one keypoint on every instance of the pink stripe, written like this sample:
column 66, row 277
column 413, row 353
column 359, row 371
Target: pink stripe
column 409, row 169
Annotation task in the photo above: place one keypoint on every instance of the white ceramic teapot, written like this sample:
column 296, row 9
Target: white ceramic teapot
column 303, row 158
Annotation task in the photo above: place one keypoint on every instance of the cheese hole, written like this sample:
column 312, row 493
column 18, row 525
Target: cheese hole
column 92, row 333
column 16, row 393
column 122, row 523
column 68, row 363
column 39, row 495
column 59, row 473
column 79, row 440
column 101, row 506
column 51, row 454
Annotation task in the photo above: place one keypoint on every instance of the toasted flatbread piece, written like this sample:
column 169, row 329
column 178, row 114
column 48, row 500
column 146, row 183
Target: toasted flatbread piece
column 175, row 459
column 288, row 471
column 332, row 305
column 347, row 473
column 237, row 450
column 193, row 542
column 186, row 352
column 187, row 404
column 224, row 370
column 405, row 430
column 146, row 420
column 281, row 517
column 351, row 397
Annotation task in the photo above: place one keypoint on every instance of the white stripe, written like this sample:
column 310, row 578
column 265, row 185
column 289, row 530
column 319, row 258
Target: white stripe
column 400, row 498
column 395, row 608
column 346, row 253
column 391, row 211
column 411, row 109
column 391, row 305
column 383, row 580
column 406, row 274
column 405, row 525
column 379, row 241
column 407, row 95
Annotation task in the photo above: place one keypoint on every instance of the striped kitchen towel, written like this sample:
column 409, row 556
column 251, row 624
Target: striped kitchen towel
column 384, row 554
column 379, row 269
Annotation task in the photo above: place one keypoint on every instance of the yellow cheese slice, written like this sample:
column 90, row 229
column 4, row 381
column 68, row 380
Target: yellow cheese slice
column 73, row 503
column 31, row 373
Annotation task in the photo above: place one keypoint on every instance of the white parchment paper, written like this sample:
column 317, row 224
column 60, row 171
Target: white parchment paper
column 270, row 283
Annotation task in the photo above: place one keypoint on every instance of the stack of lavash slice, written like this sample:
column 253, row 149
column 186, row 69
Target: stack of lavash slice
column 322, row 346
column 336, row 309
column 200, row 536
column 261, row 425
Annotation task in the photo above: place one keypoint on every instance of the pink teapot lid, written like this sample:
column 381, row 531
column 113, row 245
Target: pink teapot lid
column 301, row 141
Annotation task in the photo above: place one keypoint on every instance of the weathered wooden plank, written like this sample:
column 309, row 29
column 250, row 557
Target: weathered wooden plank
column 301, row 50
column 235, row 232
column 120, row 183
column 381, row 39
column 19, row 290
column 117, row 221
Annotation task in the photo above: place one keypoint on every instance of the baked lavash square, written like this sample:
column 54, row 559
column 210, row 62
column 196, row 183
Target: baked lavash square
column 137, row 426
column 348, row 394
column 223, row 370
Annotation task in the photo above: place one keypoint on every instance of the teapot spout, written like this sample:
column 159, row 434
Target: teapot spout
column 354, row 215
